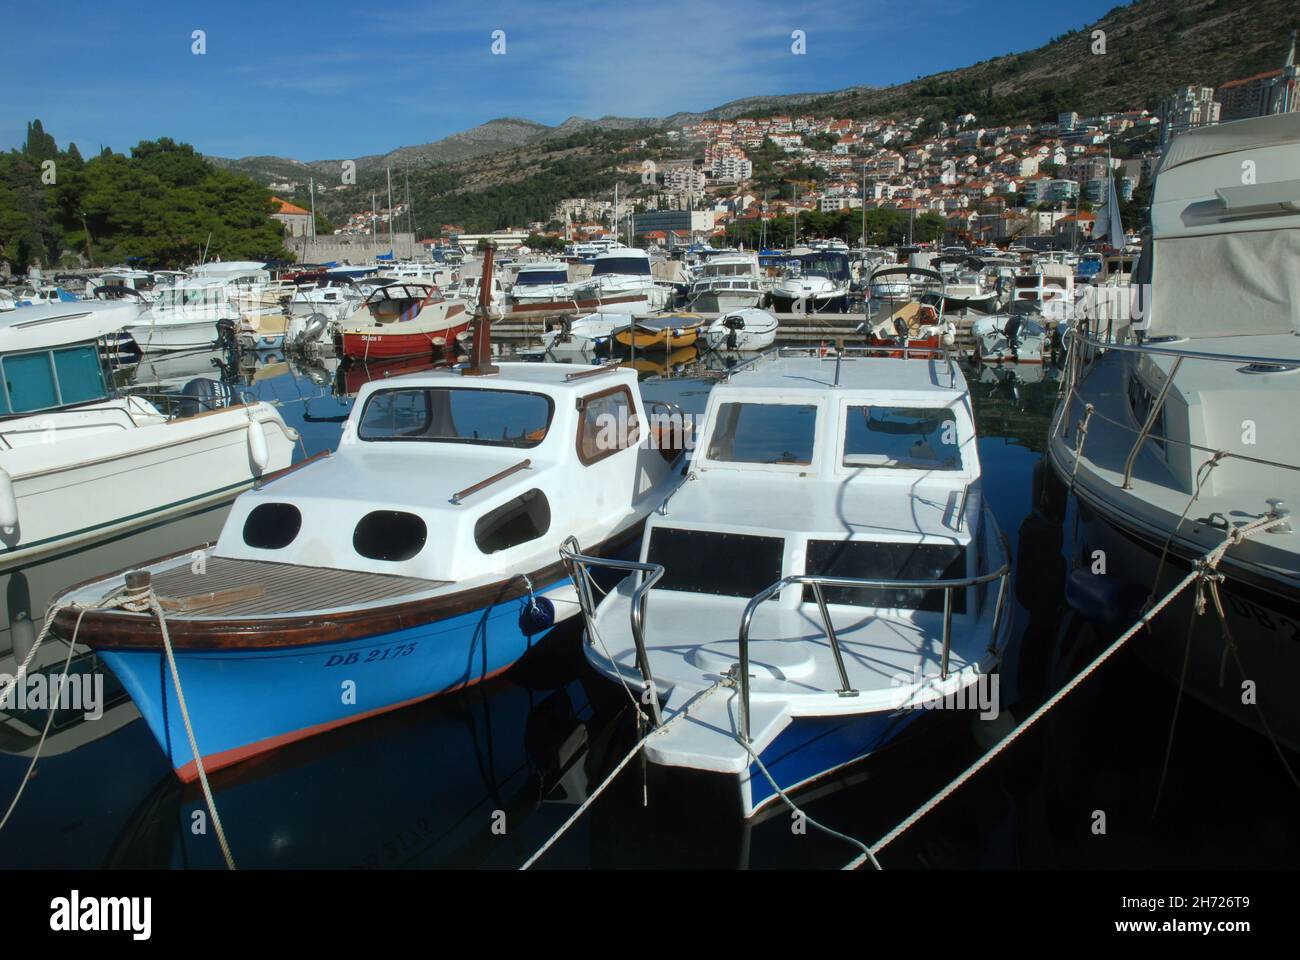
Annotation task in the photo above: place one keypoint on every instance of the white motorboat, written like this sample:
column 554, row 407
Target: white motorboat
column 1177, row 426
column 808, row 634
column 621, row 273
column 747, row 329
column 185, row 316
column 545, row 281
column 1050, row 285
column 727, row 282
column 80, row 463
column 815, row 282
column 591, row 332
column 1017, row 336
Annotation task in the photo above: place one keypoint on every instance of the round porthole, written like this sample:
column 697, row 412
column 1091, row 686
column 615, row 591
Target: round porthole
column 391, row 535
column 272, row 526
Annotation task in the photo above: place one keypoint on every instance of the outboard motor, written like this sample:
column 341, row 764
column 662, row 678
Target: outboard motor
column 203, row 394
column 900, row 328
column 734, row 324
column 1012, row 333
column 227, row 335
column 315, row 328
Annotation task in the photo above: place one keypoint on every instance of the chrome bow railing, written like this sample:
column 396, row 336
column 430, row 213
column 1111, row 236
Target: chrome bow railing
column 818, row 582
column 579, row 566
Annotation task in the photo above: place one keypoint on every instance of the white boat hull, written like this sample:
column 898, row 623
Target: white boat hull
column 95, row 480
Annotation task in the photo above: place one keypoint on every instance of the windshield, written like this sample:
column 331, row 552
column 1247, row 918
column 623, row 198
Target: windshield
column 633, row 265
column 764, row 433
column 533, row 277
column 833, row 266
column 918, row 438
column 503, row 418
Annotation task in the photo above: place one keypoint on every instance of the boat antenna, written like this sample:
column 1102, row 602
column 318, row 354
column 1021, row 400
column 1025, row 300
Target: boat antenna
column 480, row 364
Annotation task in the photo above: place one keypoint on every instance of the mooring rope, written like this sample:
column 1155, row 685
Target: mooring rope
column 577, row 814
column 794, row 808
column 134, row 601
column 1203, row 567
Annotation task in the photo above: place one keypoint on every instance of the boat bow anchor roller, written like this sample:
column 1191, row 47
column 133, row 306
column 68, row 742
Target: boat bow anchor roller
column 412, row 561
column 873, row 579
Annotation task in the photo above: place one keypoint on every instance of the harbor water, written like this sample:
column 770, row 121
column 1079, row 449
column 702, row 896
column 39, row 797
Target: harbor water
column 483, row 777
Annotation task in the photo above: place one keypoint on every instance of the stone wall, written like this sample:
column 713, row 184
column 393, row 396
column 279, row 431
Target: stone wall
column 352, row 248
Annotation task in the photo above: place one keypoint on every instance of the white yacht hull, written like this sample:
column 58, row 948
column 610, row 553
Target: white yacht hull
column 101, row 476
column 167, row 337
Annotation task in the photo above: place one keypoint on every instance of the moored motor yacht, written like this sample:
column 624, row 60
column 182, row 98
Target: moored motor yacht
column 1176, row 426
column 815, row 282
column 620, row 273
column 81, row 463
column 727, row 282
column 544, row 281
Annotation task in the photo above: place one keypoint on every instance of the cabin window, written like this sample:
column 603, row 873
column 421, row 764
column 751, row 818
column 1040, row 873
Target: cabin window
column 79, row 374
column 52, row 378
column 272, row 526
column 608, row 425
column 691, row 565
column 503, row 418
column 391, row 535
column 764, row 433
column 522, row 519
column 867, row 560
column 907, row 438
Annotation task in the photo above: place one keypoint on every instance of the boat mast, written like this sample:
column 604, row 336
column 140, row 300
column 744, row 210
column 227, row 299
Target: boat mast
column 390, row 211
column 864, row 206
column 480, row 364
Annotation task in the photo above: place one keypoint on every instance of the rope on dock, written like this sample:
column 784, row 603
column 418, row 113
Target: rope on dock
column 586, row 804
column 135, row 602
column 1206, row 567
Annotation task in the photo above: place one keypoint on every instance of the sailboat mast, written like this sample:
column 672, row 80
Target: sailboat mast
column 390, row 211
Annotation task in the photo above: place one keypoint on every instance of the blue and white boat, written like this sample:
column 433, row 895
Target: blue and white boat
column 418, row 558
column 828, row 571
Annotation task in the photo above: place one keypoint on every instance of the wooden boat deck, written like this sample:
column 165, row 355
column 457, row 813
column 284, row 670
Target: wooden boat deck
column 251, row 588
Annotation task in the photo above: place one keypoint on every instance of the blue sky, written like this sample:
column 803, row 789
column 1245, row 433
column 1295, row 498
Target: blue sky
column 332, row 79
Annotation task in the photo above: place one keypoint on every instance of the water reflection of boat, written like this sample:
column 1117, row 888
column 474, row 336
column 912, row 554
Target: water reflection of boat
column 505, row 753
column 664, row 366
column 353, row 375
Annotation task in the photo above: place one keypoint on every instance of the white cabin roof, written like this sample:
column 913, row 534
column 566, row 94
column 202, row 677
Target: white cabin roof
column 856, row 372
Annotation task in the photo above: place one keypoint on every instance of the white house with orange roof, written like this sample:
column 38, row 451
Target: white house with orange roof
column 296, row 220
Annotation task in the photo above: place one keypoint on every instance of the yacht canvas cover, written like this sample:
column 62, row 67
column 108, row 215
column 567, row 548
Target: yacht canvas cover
column 1226, row 283
column 1225, row 223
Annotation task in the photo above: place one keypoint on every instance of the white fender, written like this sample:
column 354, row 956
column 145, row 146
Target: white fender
column 22, row 634
column 257, row 447
column 8, row 501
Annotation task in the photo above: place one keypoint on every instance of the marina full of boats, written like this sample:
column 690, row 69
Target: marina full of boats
column 774, row 588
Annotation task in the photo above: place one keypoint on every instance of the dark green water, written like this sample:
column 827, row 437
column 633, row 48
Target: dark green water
column 423, row 787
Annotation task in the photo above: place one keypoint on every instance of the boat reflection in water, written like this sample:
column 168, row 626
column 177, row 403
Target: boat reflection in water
column 477, row 779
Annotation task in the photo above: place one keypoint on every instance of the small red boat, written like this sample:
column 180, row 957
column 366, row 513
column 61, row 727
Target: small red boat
column 403, row 319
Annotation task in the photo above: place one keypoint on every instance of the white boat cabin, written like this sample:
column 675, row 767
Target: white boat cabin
column 454, row 478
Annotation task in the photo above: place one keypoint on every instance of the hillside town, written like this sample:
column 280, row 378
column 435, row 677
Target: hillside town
column 1032, row 184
